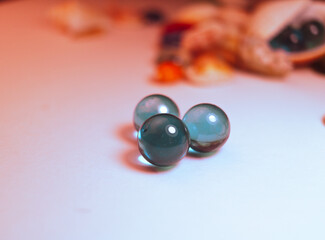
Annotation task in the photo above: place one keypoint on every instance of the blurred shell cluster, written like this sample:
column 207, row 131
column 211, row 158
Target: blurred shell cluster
column 270, row 19
column 271, row 39
column 81, row 18
column 224, row 30
column 217, row 41
column 204, row 41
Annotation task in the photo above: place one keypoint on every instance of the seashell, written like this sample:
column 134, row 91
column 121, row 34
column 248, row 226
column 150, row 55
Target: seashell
column 169, row 72
column 123, row 16
column 315, row 11
column 207, row 69
column 176, row 55
column 197, row 12
column 77, row 19
column 212, row 35
column 233, row 16
column 271, row 20
column 201, row 12
column 255, row 55
column 319, row 65
column 271, row 17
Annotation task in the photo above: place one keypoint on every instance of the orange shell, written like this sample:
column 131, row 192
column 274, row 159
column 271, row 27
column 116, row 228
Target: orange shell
column 271, row 17
column 169, row 72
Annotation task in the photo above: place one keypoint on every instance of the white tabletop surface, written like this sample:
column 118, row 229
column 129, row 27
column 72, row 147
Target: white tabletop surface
column 69, row 172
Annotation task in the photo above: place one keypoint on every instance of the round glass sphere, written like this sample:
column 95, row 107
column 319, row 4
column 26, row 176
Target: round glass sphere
column 314, row 33
column 208, row 126
column 152, row 105
column 163, row 140
column 290, row 40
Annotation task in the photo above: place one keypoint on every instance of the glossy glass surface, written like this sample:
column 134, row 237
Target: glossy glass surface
column 290, row 40
column 163, row 140
column 152, row 105
column 208, row 126
column 309, row 35
column 314, row 33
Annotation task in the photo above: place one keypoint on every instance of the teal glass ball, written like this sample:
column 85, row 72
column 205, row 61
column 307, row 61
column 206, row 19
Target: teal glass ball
column 208, row 125
column 152, row 105
column 163, row 140
column 314, row 33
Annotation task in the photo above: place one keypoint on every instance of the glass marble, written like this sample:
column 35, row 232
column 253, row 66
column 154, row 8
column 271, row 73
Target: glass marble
column 290, row 40
column 163, row 140
column 208, row 126
column 314, row 33
column 152, row 105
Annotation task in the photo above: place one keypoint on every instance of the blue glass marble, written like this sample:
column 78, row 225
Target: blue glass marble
column 314, row 33
column 152, row 105
column 309, row 35
column 290, row 40
column 208, row 126
column 163, row 140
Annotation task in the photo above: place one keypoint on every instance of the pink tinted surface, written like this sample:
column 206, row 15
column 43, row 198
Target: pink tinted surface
column 69, row 171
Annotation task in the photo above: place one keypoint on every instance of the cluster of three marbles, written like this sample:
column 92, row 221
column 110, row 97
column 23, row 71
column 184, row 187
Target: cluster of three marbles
column 164, row 139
